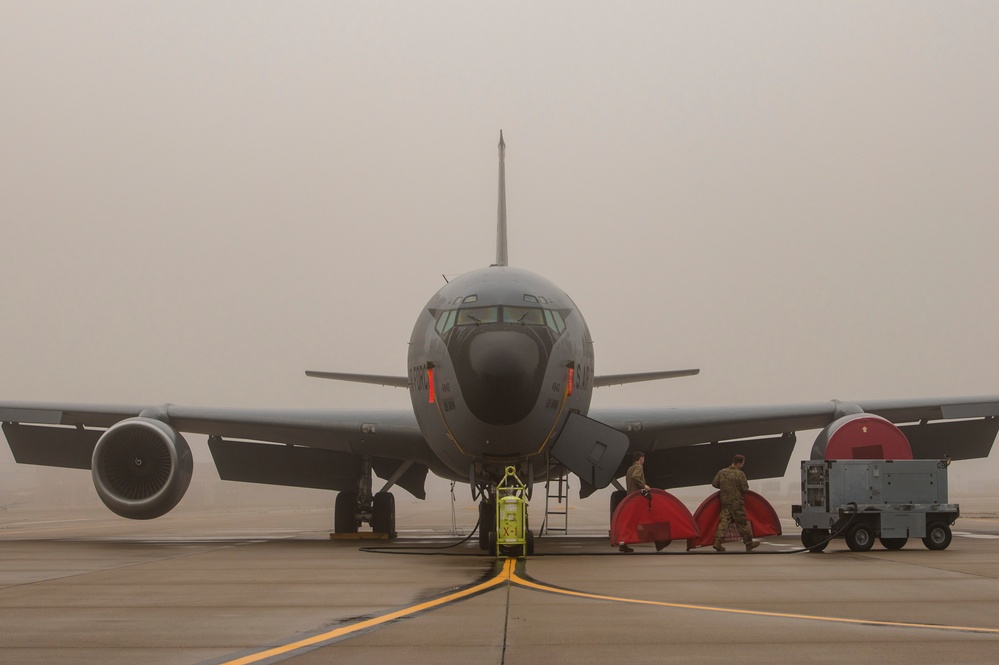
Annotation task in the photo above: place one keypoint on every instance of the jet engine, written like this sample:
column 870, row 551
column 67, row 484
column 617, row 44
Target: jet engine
column 142, row 468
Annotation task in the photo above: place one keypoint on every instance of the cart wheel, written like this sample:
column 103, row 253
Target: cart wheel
column 893, row 543
column 938, row 536
column 814, row 540
column 530, row 543
column 860, row 538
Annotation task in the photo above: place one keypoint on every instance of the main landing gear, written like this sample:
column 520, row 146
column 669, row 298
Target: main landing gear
column 355, row 508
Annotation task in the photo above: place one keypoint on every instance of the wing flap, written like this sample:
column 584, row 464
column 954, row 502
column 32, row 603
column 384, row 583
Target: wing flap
column 66, row 447
column 961, row 439
column 292, row 466
column 300, row 466
column 697, row 465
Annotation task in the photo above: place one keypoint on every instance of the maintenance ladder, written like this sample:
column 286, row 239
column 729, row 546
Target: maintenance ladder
column 557, row 489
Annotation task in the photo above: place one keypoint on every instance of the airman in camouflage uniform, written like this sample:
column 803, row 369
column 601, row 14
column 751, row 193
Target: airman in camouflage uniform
column 733, row 484
column 636, row 483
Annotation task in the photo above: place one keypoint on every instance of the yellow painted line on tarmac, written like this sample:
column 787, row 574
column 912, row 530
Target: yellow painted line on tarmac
column 529, row 584
column 508, row 575
column 500, row 578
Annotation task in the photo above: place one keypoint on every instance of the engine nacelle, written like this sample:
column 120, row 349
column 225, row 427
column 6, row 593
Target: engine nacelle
column 142, row 468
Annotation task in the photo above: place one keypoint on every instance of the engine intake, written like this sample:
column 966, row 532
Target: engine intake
column 142, row 468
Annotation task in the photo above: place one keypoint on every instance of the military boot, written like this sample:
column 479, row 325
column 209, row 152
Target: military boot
column 752, row 545
column 718, row 546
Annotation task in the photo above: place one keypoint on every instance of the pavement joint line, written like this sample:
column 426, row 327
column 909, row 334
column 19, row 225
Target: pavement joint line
column 513, row 574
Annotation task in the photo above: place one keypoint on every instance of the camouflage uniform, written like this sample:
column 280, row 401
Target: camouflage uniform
column 733, row 484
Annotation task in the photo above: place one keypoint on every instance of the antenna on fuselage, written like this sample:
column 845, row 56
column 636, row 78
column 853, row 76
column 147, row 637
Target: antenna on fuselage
column 501, row 259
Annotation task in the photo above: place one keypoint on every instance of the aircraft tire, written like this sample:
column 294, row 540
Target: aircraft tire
column 487, row 524
column 345, row 513
column 383, row 514
column 893, row 543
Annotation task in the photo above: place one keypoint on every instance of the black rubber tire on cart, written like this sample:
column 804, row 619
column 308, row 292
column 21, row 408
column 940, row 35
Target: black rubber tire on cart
column 814, row 540
column 860, row 538
column 938, row 536
column 893, row 543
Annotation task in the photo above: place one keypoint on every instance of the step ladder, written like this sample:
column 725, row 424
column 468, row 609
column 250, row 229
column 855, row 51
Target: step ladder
column 556, row 499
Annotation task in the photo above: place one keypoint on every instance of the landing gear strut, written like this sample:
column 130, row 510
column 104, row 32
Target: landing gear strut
column 354, row 508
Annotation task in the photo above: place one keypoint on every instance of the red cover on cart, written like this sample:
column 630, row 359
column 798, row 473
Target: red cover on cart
column 658, row 518
column 762, row 518
column 865, row 436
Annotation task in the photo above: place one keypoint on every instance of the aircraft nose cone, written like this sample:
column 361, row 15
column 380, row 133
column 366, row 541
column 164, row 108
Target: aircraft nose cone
column 502, row 378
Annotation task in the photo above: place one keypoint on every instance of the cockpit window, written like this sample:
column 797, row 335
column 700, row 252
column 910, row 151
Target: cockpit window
column 525, row 316
column 468, row 316
column 445, row 321
column 528, row 316
column 559, row 323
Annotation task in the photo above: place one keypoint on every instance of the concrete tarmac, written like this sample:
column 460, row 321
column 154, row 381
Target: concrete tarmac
column 248, row 586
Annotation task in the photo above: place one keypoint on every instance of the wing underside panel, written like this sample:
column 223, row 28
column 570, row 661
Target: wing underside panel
column 67, row 447
column 293, row 466
column 299, row 466
column 697, row 465
column 961, row 439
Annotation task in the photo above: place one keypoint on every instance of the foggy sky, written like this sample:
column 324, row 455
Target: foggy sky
column 199, row 201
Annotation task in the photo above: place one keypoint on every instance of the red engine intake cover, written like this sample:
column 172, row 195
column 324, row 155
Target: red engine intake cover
column 762, row 518
column 865, row 436
column 660, row 517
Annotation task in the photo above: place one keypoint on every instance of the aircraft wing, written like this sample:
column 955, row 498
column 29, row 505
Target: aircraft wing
column 686, row 446
column 334, row 442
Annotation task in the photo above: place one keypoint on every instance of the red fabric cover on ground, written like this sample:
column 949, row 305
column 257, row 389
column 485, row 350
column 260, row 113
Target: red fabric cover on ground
column 867, row 437
column 762, row 517
column 661, row 517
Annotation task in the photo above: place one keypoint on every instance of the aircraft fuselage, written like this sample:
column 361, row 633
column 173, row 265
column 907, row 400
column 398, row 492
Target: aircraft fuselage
column 498, row 359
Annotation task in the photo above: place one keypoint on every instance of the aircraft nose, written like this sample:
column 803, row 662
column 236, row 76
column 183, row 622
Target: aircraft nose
column 502, row 378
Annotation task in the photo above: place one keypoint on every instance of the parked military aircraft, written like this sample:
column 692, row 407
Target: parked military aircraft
column 500, row 373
